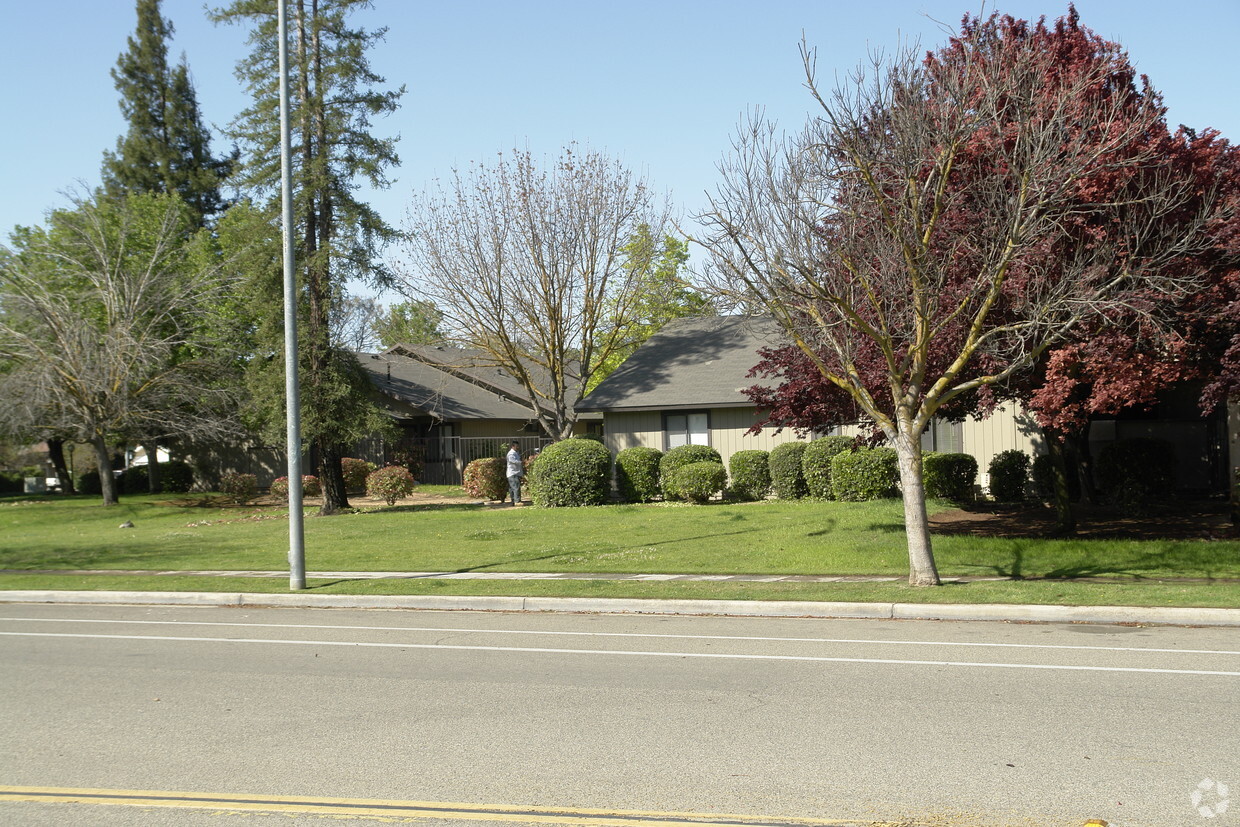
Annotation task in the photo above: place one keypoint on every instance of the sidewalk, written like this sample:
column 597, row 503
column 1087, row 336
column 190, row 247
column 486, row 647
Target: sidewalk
column 1033, row 613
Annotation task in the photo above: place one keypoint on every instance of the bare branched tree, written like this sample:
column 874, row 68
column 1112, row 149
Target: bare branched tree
column 100, row 329
column 526, row 265
column 941, row 222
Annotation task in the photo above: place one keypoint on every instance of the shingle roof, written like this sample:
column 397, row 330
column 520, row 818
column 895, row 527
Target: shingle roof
column 437, row 392
column 690, row 363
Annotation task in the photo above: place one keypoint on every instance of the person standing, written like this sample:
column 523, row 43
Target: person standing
column 516, row 470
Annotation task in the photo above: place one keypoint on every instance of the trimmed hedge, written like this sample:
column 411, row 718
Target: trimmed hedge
column 1009, row 475
column 949, row 476
column 637, row 474
column 1136, row 472
column 751, row 474
column 860, row 474
column 390, row 484
column 683, row 455
column 696, row 482
column 816, row 464
column 572, row 472
column 486, row 478
column 787, row 476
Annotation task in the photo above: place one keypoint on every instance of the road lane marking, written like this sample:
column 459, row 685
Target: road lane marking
column 631, row 653
column 441, row 630
column 360, row 807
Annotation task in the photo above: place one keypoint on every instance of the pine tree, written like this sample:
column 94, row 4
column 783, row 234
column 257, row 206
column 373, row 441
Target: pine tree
column 333, row 94
column 167, row 147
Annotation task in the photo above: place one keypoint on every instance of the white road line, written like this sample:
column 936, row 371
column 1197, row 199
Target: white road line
column 681, row 655
column 440, row 630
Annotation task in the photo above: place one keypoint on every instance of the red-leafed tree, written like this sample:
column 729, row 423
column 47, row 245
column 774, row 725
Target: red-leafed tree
column 942, row 224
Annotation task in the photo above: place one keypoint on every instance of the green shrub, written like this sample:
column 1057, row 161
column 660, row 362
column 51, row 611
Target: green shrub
column 1009, row 475
column 596, row 437
column 88, row 483
column 134, row 480
column 355, row 473
column 176, row 477
column 486, row 478
column 787, row 476
column 12, row 482
column 751, row 474
column 1043, row 472
column 390, row 484
column 949, row 476
column 310, row 487
column 240, row 488
column 1135, row 472
column 683, row 455
column 570, row 473
column 696, row 482
column 860, row 474
column 637, row 474
column 816, row 464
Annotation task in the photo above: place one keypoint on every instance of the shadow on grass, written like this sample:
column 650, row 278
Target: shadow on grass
column 1146, row 567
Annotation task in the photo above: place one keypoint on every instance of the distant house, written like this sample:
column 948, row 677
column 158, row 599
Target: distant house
column 684, row 385
column 451, row 408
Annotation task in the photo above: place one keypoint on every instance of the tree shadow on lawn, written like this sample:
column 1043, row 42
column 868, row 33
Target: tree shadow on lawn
column 1175, row 520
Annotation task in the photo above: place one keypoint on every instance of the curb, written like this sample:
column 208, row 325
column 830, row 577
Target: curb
column 1143, row 615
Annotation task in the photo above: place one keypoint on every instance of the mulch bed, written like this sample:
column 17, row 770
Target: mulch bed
column 1182, row 520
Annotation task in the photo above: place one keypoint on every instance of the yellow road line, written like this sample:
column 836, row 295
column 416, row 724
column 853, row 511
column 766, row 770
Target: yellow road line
column 375, row 808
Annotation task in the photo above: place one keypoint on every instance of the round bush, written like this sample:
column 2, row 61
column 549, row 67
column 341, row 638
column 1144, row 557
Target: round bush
column 860, row 474
column 751, row 474
column 12, row 482
column 88, row 483
column 486, row 478
column 949, row 476
column 637, row 474
column 176, row 477
column 787, row 476
column 816, row 464
column 1009, row 474
column 240, row 488
column 571, row 473
column 683, row 455
column 696, row 482
column 390, row 484
column 355, row 473
column 1136, row 472
column 310, row 487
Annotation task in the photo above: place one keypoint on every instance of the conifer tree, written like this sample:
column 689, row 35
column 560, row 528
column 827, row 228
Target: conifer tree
column 333, row 94
column 167, row 147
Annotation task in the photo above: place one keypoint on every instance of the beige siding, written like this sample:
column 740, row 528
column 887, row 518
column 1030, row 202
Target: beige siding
column 490, row 427
column 1006, row 429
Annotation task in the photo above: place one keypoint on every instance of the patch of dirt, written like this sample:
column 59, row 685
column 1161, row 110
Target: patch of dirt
column 1187, row 520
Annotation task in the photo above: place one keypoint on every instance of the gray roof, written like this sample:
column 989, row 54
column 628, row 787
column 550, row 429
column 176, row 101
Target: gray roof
column 437, row 392
column 691, row 363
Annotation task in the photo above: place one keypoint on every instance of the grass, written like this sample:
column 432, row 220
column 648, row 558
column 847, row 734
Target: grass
column 760, row 538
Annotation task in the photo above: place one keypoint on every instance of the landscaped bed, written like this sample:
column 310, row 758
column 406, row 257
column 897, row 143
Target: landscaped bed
column 435, row 532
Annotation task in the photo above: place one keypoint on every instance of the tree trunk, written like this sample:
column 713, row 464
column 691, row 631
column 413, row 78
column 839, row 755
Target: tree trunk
column 922, row 571
column 152, row 467
column 1083, row 466
column 56, row 453
column 107, row 480
column 331, row 478
column 1065, row 517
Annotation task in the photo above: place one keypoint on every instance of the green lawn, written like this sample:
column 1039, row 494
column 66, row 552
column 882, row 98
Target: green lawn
column 758, row 538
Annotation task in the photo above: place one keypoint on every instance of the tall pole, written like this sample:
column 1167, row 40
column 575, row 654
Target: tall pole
column 292, row 391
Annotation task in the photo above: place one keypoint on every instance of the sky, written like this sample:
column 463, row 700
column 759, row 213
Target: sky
column 659, row 85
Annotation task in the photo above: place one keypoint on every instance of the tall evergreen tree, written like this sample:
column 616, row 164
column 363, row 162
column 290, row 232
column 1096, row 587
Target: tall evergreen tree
column 334, row 95
column 167, row 147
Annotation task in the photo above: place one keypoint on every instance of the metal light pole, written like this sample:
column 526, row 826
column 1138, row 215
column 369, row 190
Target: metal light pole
column 292, row 391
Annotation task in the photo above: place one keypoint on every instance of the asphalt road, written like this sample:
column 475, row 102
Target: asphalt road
column 452, row 718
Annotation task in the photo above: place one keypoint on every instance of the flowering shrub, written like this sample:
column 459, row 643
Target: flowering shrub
column 486, row 478
column 355, row 472
column 240, row 488
column 310, row 487
column 390, row 484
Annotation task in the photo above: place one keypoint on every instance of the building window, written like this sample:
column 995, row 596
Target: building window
column 943, row 436
column 686, row 429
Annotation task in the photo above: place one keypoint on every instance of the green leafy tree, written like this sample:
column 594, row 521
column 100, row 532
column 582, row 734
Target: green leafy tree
column 167, row 148
column 334, row 95
column 662, row 295
column 410, row 323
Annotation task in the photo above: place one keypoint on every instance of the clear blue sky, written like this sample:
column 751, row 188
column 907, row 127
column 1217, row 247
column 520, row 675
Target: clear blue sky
column 659, row 84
